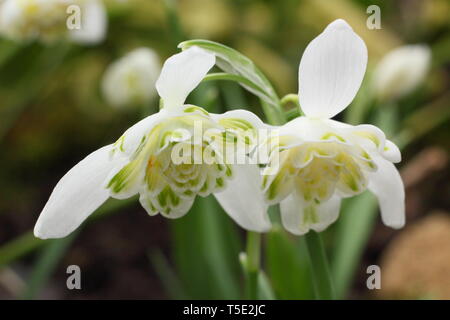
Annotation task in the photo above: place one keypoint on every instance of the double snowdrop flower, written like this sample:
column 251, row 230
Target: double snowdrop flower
column 321, row 160
column 47, row 20
column 401, row 71
column 130, row 81
column 167, row 158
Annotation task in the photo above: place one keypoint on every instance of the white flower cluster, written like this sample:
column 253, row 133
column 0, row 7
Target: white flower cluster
column 314, row 164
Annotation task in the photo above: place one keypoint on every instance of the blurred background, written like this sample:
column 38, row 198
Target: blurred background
column 53, row 113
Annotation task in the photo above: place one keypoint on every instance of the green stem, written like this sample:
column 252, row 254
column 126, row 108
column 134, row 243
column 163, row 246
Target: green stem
column 253, row 264
column 323, row 284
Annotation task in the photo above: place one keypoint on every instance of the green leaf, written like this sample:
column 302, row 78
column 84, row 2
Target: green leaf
column 288, row 265
column 206, row 247
column 19, row 247
column 27, row 242
column 168, row 277
column 46, row 265
column 323, row 283
column 353, row 231
column 264, row 289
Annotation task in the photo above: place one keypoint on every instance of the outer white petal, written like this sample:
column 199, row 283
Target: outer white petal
column 391, row 152
column 133, row 136
column 78, row 194
column 94, row 23
column 387, row 185
column 331, row 71
column 243, row 199
column 293, row 214
column 181, row 73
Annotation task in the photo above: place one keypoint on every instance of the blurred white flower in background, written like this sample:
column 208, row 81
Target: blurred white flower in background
column 400, row 71
column 46, row 20
column 130, row 81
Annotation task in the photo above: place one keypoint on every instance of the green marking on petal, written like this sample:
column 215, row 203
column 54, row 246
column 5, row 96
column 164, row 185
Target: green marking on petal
column 124, row 177
column 350, row 181
column 236, row 123
column 228, row 171
column 204, row 187
column 191, row 109
column 274, row 186
column 229, row 137
column 219, row 182
column 365, row 155
column 368, row 135
column 310, row 215
column 330, row 135
column 119, row 143
column 188, row 193
column 165, row 138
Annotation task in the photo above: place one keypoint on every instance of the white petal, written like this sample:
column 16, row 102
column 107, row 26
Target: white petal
column 181, row 73
column 331, row 71
column 78, row 194
column 94, row 23
column 243, row 199
column 391, row 152
column 133, row 136
column 297, row 220
column 387, row 185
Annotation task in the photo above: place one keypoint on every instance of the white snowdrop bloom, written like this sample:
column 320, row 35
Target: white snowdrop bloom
column 400, row 71
column 130, row 81
column 47, row 20
column 321, row 160
column 144, row 160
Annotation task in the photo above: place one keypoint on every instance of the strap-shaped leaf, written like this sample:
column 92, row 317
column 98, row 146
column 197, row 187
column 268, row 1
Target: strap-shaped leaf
column 233, row 62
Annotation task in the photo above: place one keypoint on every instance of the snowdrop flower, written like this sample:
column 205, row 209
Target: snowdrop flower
column 46, row 20
column 142, row 160
column 401, row 71
column 321, row 160
column 131, row 80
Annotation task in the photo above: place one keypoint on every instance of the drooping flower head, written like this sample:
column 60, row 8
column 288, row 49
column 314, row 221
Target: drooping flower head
column 167, row 158
column 46, row 20
column 130, row 81
column 321, row 160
